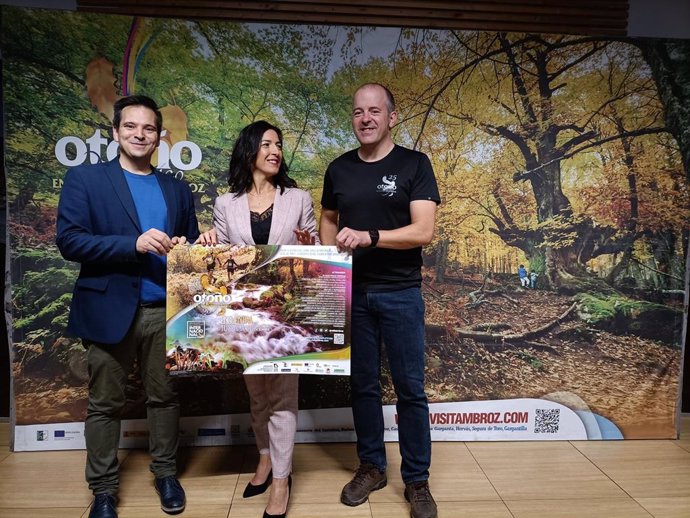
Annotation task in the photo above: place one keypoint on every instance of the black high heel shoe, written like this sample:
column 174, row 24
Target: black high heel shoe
column 266, row 515
column 252, row 490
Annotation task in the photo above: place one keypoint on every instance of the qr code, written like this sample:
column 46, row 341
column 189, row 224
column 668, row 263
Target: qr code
column 338, row 338
column 547, row 421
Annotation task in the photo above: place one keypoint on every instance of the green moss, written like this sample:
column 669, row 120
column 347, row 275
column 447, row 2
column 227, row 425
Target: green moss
column 594, row 309
column 57, row 309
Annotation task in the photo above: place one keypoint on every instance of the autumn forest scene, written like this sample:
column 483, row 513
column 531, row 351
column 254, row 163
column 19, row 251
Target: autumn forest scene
column 566, row 155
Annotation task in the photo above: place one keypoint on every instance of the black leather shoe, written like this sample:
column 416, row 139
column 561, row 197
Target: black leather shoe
column 171, row 493
column 252, row 490
column 266, row 515
column 104, row 506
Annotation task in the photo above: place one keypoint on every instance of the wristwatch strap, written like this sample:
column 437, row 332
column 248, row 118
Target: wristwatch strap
column 374, row 235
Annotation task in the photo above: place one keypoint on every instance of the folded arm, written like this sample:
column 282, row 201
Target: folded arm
column 419, row 232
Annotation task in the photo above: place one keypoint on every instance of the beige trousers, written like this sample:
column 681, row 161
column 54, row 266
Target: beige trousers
column 273, row 404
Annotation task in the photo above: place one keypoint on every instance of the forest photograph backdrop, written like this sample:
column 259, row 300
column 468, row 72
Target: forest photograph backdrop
column 569, row 155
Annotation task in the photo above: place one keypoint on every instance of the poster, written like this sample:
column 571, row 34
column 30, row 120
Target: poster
column 262, row 309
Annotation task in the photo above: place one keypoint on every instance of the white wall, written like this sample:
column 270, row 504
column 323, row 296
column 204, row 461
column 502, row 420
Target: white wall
column 659, row 18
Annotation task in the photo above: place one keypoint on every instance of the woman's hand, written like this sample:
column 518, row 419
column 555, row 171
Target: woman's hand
column 304, row 237
column 207, row 238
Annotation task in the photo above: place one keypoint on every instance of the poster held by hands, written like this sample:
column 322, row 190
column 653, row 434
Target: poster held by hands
column 259, row 309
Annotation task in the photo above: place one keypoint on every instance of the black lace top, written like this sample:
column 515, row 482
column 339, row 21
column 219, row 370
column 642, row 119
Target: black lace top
column 261, row 225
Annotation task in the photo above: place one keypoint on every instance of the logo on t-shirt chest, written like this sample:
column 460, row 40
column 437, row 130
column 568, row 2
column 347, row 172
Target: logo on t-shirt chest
column 387, row 187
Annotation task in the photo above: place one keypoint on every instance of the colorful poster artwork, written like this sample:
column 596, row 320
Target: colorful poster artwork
column 258, row 310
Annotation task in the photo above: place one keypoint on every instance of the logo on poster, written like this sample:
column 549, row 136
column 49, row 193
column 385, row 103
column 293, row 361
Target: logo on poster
column 196, row 329
column 212, row 299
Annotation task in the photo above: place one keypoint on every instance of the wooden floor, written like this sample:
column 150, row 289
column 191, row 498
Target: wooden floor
column 626, row 479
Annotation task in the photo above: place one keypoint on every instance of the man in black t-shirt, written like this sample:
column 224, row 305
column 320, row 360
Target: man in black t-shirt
column 379, row 202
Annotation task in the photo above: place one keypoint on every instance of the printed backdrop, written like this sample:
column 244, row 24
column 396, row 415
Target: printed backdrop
column 552, row 152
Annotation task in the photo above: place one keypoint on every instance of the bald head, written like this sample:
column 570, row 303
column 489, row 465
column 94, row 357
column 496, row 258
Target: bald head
column 373, row 117
column 390, row 100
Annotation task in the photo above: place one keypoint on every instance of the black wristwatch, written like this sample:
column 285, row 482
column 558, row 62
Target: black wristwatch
column 374, row 235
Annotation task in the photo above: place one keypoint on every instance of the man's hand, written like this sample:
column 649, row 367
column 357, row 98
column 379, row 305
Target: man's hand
column 179, row 240
column 348, row 239
column 210, row 237
column 154, row 241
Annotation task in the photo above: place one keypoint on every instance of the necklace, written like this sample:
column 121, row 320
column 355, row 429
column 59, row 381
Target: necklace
column 260, row 194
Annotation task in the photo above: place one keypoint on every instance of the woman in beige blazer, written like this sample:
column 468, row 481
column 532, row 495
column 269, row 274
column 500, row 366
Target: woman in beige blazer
column 264, row 206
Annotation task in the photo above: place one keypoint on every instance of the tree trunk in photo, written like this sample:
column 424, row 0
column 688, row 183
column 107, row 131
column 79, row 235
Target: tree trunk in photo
column 548, row 192
column 565, row 272
column 441, row 260
column 663, row 245
column 620, row 268
column 670, row 64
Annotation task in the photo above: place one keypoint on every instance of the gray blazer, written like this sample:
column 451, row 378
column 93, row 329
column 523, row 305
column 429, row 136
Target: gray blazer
column 291, row 210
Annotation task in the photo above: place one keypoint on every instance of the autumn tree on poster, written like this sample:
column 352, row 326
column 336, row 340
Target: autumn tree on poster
column 523, row 127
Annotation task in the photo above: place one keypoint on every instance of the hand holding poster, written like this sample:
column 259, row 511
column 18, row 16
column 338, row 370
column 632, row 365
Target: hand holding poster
column 258, row 309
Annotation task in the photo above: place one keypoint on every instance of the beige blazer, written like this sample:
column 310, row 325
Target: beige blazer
column 291, row 210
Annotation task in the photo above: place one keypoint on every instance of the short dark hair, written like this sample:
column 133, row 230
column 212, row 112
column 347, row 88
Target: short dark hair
column 244, row 155
column 390, row 100
column 136, row 100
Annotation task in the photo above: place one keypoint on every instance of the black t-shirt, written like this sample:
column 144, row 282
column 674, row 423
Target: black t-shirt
column 377, row 195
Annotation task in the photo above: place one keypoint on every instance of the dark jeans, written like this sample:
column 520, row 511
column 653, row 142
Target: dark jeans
column 397, row 319
column 109, row 365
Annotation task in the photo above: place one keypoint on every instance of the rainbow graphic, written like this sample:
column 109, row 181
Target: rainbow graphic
column 139, row 40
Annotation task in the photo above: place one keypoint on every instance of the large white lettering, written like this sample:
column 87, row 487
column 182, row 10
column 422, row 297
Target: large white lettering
column 194, row 152
column 72, row 151
column 96, row 142
column 79, row 151
column 212, row 298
